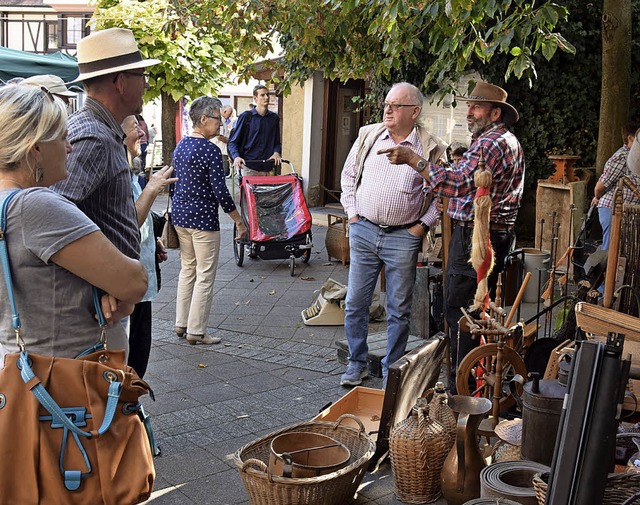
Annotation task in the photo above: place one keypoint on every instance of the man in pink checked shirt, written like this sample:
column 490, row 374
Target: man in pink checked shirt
column 388, row 214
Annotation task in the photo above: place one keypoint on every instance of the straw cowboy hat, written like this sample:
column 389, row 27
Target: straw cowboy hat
column 485, row 92
column 52, row 82
column 107, row 52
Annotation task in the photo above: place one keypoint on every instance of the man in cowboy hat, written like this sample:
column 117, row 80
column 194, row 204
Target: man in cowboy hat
column 488, row 116
column 99, row 182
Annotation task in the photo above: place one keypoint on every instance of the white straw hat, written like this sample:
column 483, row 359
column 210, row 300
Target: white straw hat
column 107, row 52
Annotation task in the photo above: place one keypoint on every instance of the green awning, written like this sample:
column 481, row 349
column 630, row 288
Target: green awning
column 14, row 63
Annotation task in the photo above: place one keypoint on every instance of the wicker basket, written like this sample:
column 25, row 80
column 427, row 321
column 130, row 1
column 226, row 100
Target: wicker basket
column 620, row 487
column 335, row 488
column 336, row 240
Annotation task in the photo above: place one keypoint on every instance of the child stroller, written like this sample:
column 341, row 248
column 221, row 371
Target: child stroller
column 276, row 214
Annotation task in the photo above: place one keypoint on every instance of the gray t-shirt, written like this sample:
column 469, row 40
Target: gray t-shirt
column 55, row 306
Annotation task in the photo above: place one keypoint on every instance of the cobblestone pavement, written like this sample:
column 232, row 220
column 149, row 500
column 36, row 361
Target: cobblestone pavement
column 270, row 371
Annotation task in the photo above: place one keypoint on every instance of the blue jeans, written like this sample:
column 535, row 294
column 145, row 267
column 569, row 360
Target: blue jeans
column 371, row 248
column 604, row 215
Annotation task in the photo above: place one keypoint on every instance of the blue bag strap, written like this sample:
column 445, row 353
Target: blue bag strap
column 46, row 400
column 4, row 260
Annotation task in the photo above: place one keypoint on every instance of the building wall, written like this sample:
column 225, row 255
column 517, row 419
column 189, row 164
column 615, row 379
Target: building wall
column 25, row 30
column 292, row 127
column 448, row 122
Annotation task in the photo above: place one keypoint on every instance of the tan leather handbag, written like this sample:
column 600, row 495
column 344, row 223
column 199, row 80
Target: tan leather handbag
column 72, row 430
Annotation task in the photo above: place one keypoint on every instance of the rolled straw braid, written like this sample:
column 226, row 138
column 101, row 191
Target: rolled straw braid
column 481, row 251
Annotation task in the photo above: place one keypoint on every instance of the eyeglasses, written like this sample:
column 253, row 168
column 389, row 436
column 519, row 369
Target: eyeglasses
column 144, row 75
column 214, row 117
column 395, row 106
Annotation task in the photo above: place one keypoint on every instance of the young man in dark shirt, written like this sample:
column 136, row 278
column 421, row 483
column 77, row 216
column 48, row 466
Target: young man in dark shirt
column 256, row 137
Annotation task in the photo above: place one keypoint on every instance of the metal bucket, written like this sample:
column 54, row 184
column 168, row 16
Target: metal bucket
column 536, row 262
column 541, row 405
column 302, row 455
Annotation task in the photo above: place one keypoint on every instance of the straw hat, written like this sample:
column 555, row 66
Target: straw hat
column 510, row 431
column 485, row 92
column 52, row 82
column 107, row 52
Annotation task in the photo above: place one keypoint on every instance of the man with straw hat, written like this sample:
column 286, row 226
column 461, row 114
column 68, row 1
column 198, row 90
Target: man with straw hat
column 488, row 116
column 99, row 182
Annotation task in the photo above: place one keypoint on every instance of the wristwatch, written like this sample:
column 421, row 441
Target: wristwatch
column 424, row 227
column 422, row 164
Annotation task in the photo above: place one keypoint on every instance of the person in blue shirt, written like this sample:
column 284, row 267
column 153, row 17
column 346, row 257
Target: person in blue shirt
column 256, row 137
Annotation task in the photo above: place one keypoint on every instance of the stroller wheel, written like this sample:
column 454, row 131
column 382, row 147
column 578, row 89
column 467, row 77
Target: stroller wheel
column 292, row 265
column 238, row 248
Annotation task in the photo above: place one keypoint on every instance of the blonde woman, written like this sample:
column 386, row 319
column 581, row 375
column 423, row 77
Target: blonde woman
column 56, row 253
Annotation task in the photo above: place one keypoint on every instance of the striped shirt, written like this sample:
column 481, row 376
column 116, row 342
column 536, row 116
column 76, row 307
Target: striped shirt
column 99, row 180
column 614, row 169
column 503, row 157
column 388, row 194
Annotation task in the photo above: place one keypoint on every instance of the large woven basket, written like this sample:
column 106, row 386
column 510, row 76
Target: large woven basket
column 335, row 488
column 619, row 488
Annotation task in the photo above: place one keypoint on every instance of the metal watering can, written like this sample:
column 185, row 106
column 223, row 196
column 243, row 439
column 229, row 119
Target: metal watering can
column 541, row 405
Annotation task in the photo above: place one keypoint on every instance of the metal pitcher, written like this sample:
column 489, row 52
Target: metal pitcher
column 461, row 472
column 541, row 405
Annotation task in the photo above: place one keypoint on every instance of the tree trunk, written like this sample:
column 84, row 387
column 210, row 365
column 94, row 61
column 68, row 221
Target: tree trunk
column 616, row 77
column 169, row 107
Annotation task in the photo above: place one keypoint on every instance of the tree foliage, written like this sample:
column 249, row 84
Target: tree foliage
column 195, row 57
column 376, row 38
column 559, row 113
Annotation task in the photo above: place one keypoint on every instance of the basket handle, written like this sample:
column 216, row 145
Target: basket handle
column 353, row 418
column 261, row 465
column 255, row 463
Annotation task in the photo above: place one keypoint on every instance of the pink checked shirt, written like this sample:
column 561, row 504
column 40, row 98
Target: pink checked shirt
column 388, row 194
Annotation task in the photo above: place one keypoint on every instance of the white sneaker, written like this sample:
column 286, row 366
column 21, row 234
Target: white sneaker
column 202, row 339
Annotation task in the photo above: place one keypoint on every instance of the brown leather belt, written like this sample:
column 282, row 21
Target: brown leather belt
column 493, row 226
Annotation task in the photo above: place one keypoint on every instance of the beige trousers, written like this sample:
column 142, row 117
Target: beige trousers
column 199, row 251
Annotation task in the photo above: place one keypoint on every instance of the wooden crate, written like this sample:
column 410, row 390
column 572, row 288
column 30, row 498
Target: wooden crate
column 558, row 197
column 365, row 403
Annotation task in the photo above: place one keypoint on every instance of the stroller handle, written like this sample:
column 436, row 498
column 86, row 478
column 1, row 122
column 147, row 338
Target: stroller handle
column 272, row 162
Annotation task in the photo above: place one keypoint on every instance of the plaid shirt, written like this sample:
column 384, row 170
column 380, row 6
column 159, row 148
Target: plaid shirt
column 614, row 169
column 503, row 157
column 387, row 194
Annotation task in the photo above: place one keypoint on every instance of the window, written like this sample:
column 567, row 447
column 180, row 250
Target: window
column 72, row 28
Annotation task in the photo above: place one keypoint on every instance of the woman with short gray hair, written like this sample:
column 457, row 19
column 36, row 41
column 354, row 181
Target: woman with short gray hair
column 200, row 189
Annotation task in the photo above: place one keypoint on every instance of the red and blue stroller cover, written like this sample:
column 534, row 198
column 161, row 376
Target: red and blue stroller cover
column 274, row 207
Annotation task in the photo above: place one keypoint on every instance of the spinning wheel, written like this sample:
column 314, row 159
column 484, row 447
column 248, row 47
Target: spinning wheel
column 482, row 367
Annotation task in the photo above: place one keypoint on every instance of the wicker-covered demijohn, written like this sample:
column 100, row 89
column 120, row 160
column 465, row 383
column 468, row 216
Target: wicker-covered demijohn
column 335, row 488
column 418, row 447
